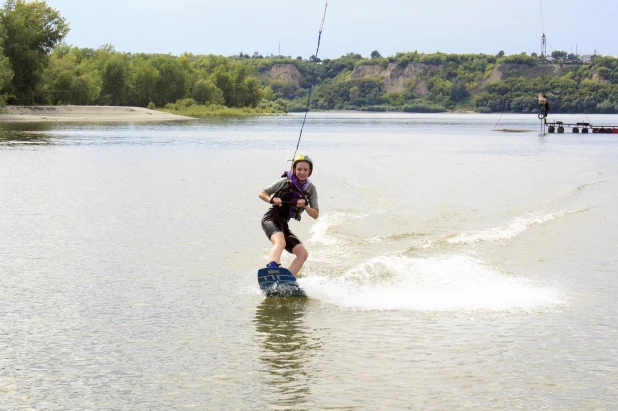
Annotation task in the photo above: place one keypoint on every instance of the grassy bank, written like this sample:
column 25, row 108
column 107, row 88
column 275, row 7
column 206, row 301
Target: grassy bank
column 213, row 110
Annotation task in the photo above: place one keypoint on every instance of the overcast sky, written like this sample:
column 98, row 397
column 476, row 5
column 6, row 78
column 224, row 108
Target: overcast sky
column 228, row 27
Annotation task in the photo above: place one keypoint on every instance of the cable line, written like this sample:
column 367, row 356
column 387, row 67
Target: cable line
column 542, row 20
column 496, row 125
column 315, row 59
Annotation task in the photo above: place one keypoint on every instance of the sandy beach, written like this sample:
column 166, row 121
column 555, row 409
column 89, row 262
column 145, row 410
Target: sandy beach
column 84, row 114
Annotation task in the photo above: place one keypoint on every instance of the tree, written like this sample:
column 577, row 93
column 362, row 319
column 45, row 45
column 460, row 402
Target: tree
column 559, row 54
column 144, row 79
column 459, row 90
column 252, row 92
column 204, row 92
column 30, row 30
column 61, row 92
column 222, row 79
column 240, row 88
column 283, row 89
column 172, row 81
column 375, row 55
column 115, row 80
column 6, row 75
column 84, row 90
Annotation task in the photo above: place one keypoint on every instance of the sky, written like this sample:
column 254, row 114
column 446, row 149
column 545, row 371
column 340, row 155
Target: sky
column 229, row 27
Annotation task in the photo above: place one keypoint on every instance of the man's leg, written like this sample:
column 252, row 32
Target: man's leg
column 301, row 254
column 278, row 241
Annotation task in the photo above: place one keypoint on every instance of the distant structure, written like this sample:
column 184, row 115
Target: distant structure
column 543, row 39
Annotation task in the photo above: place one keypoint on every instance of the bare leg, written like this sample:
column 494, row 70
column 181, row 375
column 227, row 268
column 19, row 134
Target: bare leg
column 301, row 254
column 278, row 241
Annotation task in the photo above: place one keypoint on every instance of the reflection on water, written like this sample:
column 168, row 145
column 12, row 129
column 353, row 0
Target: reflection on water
column 27, row 133
column 288, row 345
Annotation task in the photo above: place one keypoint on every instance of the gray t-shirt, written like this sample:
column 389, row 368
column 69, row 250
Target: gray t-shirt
column 312, row 193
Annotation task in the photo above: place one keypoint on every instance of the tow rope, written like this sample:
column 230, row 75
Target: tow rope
column 315, row 59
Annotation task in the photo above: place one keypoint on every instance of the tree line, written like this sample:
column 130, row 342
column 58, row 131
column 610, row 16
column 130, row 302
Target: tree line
column 37, row 67
column 459, row 82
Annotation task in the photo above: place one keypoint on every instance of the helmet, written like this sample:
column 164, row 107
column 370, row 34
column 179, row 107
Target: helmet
column 302, row 157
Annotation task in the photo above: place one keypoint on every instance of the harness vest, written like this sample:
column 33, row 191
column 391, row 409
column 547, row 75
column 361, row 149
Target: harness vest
column 292, row 191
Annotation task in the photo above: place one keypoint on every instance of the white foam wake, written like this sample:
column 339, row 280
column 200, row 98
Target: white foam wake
column 509, row 230
column 455, row 282
column 320, row 229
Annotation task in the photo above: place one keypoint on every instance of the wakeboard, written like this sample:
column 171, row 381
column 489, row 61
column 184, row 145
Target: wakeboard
column 278, row 282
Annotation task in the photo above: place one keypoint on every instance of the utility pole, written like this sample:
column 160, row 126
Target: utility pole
column 543, row 48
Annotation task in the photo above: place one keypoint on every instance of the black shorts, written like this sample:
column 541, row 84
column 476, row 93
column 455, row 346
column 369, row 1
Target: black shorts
column 272, row 223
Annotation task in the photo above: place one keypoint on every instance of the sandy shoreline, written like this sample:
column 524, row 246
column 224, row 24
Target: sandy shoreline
column 22, row 114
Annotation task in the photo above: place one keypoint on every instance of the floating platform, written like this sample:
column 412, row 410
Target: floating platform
column 512, row 130
column 560, row 127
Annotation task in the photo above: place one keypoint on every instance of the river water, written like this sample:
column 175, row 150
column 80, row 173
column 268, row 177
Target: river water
column 452, row 266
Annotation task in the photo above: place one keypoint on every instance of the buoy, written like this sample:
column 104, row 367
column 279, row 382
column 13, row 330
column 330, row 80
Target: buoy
column 585, row 130
column 575, row 130
column 560, row 129
column 551, row 129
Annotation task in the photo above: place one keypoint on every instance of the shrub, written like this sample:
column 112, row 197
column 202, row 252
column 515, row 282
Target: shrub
column 423, row 107
column 297, row 109
column 380, row 109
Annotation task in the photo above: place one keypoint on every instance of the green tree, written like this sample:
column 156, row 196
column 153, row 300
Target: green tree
column 172, row 81
column 375, row 55
column 222, row 78
column 84, row 90
column 283, row 89
column 115, row 80
column 459, row 90
column 253, row 92
column 29, row 30
column 58, row 76
column 61, row 92
column 144, row 78
column 6, row 75
column 434, row 59
column 206, row 65
column 239, row 87
column 204, row 92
